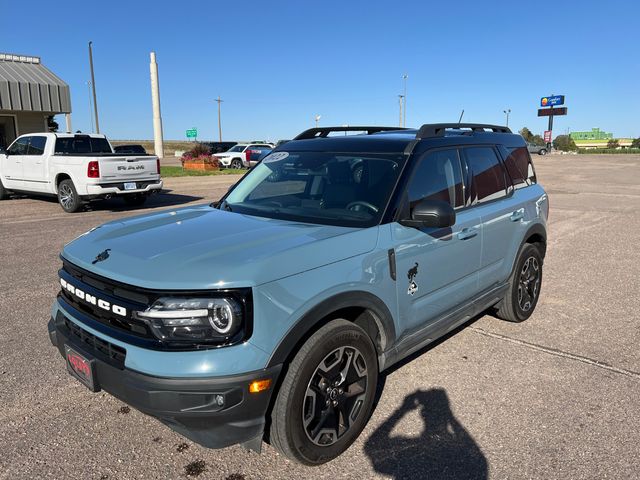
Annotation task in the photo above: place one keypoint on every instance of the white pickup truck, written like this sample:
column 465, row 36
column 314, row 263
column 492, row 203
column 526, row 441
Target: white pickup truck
column 77, row 168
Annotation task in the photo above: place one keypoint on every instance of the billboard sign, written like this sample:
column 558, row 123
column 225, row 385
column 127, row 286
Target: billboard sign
column 552, row 101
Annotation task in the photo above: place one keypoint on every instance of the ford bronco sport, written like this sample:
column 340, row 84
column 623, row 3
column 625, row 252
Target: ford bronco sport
column 270, row 314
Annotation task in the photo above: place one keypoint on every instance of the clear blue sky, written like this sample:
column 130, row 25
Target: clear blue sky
column 276, row 64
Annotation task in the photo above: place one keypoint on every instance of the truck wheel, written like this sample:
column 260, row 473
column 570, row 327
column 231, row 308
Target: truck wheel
column 68, row 197
column 3, row 192
column 542, row 152
column 135, row 200
column 524, row 286
column 327, row 395
column 236, row 163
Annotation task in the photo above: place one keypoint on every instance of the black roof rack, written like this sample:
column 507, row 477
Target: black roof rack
column 438, row 129
column 322, row 132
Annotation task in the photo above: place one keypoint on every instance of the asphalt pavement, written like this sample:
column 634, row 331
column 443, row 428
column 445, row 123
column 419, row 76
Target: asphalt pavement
column 554, row 397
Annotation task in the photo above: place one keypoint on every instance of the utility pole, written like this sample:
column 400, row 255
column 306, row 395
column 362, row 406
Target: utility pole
column 219, row 100
column 404, row 97
column 507, row 112
column 93, row 87
column 158, row 143
column 90, row 106
column 400, row 103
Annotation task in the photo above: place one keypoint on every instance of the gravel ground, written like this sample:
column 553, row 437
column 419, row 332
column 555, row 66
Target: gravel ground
column 554, row 397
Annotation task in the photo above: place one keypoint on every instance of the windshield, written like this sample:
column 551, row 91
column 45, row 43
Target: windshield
column 237, row 148
column 349, row 190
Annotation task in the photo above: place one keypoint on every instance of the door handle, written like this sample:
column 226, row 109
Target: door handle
column 517, row 215
column 467, row 233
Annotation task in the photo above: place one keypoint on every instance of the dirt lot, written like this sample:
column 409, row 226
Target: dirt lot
column 555, row 397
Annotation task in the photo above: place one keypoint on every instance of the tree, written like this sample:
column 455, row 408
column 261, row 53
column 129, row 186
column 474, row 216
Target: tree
column 526, row 134
column 613, row 143
column 537, row 140
column 635, row 143
column 564, row 143
column 52, row 124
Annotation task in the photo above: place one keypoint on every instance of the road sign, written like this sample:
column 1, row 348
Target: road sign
column 192, row 133
column 552, row 101
column 548, row 112
column 547, row 136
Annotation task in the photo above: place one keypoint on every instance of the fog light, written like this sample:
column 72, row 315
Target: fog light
column 258, row 386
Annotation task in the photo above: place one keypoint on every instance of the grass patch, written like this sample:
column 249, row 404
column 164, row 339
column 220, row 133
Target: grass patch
column 180, row 172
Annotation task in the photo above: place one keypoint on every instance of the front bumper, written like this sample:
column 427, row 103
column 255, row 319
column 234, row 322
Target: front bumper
column 190, row 406
column 117, row 188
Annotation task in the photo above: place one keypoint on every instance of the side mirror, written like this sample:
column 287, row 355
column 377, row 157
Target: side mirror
column 431, row 213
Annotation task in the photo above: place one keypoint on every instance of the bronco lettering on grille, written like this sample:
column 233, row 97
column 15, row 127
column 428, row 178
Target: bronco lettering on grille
column 92, row 300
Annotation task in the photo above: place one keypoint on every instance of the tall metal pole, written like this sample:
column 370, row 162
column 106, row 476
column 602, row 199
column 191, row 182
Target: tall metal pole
column 400, row 102
column 158, row 143
column 404, row 107
column 93, row 87
column 219, row 100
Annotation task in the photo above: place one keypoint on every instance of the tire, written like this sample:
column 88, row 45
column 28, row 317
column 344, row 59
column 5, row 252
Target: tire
column 4, row 194
column 135, row 200
column 236, row 164
column 68, row 197
column 542, row 152
column 296, row 419
column 522, row 296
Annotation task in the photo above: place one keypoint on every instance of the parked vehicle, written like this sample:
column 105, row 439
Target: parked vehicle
column 313, row 274
column 219, row 147
column 243, row 155
column 132, row 148
column 77, row 168
column 539, row 149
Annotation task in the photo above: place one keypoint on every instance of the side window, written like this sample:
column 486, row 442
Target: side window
column 36, row 146
column 20, row 146
column 519, row 167
column 486, row 174
column 438, row 177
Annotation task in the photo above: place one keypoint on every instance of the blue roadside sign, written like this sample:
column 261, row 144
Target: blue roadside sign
column 552, row 101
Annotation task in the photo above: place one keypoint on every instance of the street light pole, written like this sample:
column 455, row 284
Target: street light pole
column 93, row 87
column 317, row 117
column 404, row 97
column 507, row 112
column 400, row 103
column 219, row 100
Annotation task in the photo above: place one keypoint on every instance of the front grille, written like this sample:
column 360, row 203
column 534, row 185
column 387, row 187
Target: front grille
column 113, row 354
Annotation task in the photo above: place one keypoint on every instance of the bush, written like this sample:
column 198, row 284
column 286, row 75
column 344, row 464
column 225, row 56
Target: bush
column 564, row 143
column 635, row 143
column 610, row 151
column 613, row 143
column 199, row 153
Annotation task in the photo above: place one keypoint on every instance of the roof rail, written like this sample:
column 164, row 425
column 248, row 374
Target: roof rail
column 438, row 129
column 322, row 132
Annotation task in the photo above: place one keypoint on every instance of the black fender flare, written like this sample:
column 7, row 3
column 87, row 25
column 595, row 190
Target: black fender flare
column 312, row 320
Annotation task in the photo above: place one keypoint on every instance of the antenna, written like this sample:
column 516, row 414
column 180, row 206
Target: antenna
column 461, row 115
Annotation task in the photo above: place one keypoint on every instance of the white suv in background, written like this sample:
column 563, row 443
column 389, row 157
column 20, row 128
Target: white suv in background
column 243, row 155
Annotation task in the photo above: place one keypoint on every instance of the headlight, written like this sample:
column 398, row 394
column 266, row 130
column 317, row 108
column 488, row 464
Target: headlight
column 203, row 320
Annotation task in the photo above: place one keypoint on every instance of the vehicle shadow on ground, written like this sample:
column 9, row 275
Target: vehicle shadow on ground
column 443, row 449
column 158, row 200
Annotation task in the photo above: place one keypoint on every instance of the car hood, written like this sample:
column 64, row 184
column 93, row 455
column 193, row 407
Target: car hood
column 205, row 248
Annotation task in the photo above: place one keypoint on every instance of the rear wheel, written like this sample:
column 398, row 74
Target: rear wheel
column 135, row 200
column 542, row 152
column 327, row 395
column 524, row 287
column 4, row 194
column 68, row 197
column 236, row 163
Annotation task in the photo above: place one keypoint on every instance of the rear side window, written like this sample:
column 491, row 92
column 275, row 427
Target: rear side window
column 519, row 167
column 36, row 146
column 486, row 173
column 438, row 177
column 81, row 145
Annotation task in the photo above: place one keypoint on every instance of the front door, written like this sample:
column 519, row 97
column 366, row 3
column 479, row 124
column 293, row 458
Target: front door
column 11, row 166
column 437, row 268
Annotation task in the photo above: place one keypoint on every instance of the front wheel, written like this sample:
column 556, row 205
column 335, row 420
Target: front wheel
column 68, row 197
column 327, row 394
column 524, row 286
column 236, row 163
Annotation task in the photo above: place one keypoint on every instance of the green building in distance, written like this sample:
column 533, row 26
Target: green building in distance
column 594, row 134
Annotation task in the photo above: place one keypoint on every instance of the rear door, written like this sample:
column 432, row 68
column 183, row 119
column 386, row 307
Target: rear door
column 491, row 196
column 437, row 268
column 34, row 166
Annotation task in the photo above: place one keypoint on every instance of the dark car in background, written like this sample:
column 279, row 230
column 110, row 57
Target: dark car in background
column 132, row 149
column 539, row 149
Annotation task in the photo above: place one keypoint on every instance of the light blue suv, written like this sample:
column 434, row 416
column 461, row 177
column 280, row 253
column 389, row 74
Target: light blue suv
column 270, row 314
